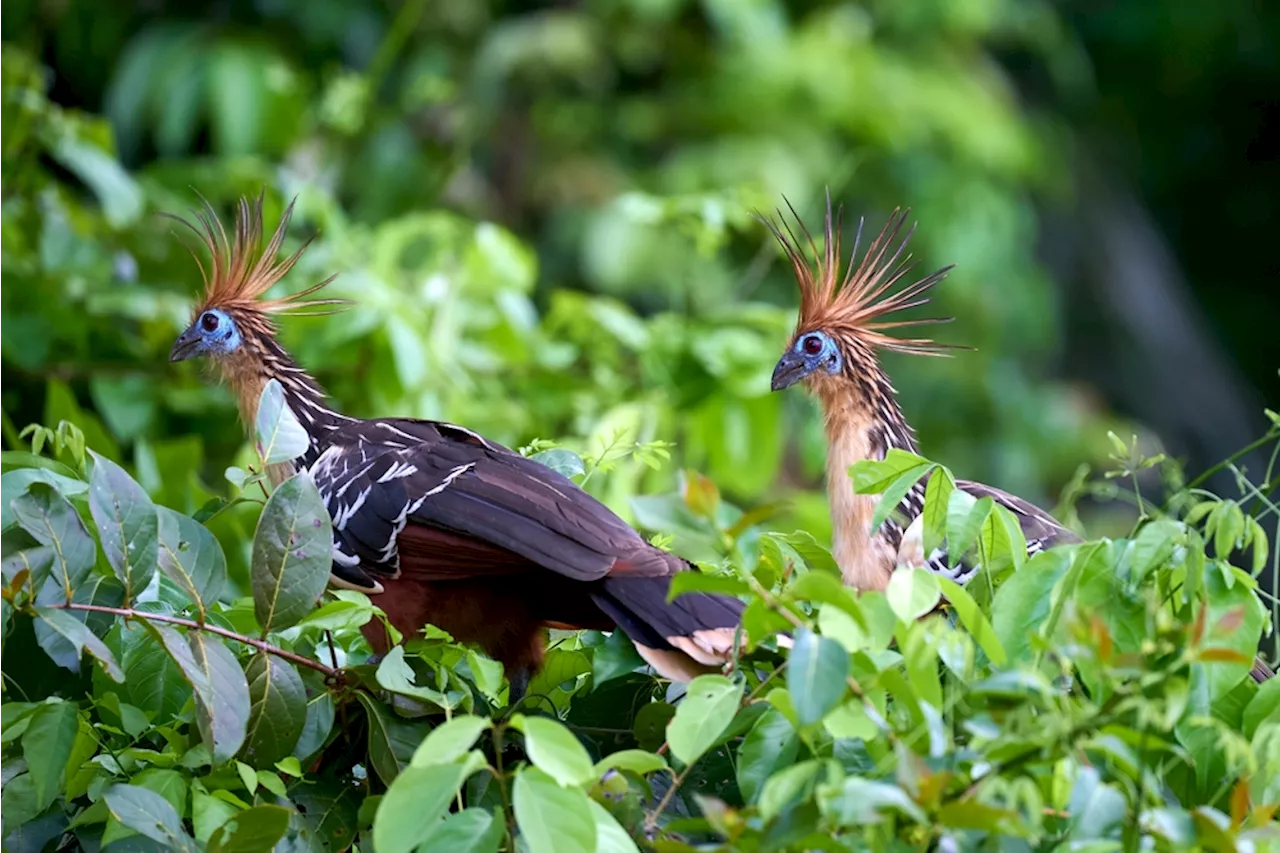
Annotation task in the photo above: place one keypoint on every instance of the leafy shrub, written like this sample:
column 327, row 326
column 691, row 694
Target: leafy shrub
column 1093, row 694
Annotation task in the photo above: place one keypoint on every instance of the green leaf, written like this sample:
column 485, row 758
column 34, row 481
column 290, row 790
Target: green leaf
column 561, row 461
column 471, row 830
column 823, row 588
column 965, row 517
column 1004, row 545
column 148, row 813
column 615, row 657
column 896, row 491
column 707, row 709
column 1023, row 602
column 552, row 819
column 637, row 761
column 191, row 557
column 787, row 786
column 871, row 476
column 937, row 499
column 696, row 581
column 128, row 525
column 15, row 483
column 50, row 518
column 277, row 710
column 816, row 675
column 912, row 592
column 292, row 552
column 339, row 615
column 449, row 741
column 610, row 836
column 120, row 196
column 316, row 729
column 395, row 674
column 974, row 620
column 392, row 741
column 859, row 802
column 79, row 635
column 330, row 810
column 413, row 804
column 280, row 437
column 771, row 745
column 250, row 831
column 1153, row 546
column 221, row 693
column 555, row 750
column 46, row 745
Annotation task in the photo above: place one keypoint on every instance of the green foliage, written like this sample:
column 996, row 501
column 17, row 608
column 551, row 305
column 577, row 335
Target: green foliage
column 1100, row 696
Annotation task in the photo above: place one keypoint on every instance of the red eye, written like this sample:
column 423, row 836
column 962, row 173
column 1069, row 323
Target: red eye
column 813, row 345
column 209, row 322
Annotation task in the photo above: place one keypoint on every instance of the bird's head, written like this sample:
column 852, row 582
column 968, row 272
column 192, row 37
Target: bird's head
column 842, row 314
column 233, row 318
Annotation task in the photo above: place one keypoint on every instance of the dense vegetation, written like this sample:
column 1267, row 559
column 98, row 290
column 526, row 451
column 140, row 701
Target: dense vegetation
column 621, row 324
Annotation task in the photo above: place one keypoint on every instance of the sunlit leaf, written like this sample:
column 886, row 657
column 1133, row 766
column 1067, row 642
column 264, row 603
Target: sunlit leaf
column 816, row 675
column 706, row 710
column 128, row 525
column 280, row 436
column 413, row 804
column 912, row 592
column 555, row 750
column 552, row 819
column 449, row 741
column 292, row 553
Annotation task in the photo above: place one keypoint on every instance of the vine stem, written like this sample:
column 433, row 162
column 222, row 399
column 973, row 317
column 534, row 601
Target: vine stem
column 651, row 820
column 260, row 645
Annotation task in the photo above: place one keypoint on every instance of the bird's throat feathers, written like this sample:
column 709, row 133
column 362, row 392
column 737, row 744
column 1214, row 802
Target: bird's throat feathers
column 862, row 421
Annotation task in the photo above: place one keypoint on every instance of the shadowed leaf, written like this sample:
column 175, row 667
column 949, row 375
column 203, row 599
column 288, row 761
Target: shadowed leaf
column 128, row 525
column 277, row 710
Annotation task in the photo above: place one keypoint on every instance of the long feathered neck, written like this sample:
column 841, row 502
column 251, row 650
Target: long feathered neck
column 863, row 420
column 259, row 360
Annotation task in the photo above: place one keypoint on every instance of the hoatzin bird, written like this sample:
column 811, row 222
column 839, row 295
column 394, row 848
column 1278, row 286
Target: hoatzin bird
column 842, row 323
column 438, row 524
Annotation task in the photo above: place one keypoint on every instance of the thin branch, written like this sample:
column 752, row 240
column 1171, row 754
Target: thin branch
column 260, row 645
column 651, row 819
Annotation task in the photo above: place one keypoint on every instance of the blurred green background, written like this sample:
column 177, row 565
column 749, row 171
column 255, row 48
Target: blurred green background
column 542, row 213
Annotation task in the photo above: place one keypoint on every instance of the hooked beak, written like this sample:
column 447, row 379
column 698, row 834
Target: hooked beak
column 791, row 368
column 185, row 346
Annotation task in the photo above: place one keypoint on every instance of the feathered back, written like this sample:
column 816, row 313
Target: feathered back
column 855, row 302
column 241, row 271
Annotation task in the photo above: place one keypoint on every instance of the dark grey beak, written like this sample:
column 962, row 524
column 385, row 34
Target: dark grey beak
column 185, row 346
column 791, row 368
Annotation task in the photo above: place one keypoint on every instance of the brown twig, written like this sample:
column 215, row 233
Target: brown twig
column 651, row 819
column 260, row 645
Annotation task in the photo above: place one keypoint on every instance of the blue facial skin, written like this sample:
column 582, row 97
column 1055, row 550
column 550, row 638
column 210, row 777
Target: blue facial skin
column 212, row 333
column 814, row 351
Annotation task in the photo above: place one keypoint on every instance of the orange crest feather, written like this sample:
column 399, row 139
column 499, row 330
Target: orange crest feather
column 241, row 271
column 855, row 302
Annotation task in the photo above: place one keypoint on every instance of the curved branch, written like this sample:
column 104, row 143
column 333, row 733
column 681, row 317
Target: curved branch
column 260, row 645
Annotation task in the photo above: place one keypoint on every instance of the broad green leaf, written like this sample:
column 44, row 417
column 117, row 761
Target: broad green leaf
column 561, row 461
column 149, row 814
column 221, row 693
column 392, row 741
column 965, row 517
column 828, row 589
column 15, row 483
column 292, row 552
column 1264, row 707
column 859, row 802
column 280, row 437
column 813, row 555
column 329, row 809
column 339, row 615
column 121, row 197
column 250, row 831
column 974, row 620
column 472, row 830
column 128, row 525
column 1023, row 602
column 937, row 499
column 46, row 745
column 79, row 635
column 415, row 801
column 771, row 745
column 610, row 836
column 1153, row 546
column 208, row 812
column 893, row 494
column 1096, row 808
column 787, row 786
column 912, row 592
column 816, row 675
column 1004, row 545
column 152, row 679
column 615, row 657
column 551, row 818
column 316, row 729
column 449, row 741
column 561, row 676
column 635, row 760
column 50, row 518
column 707, row 709
column 851, row 720
column 696, row 581
column 191, row 557
column 871, row 476
column 395, row 674
column 277, row 710
column 555, row 750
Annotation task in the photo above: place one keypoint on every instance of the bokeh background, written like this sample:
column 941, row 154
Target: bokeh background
column 542, row 213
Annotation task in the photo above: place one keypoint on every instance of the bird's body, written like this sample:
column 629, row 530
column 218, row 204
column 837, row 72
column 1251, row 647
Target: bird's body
column 833, row 352
column 442, row 526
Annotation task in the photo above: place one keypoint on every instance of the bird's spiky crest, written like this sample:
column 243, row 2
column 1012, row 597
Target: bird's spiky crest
column 855, row 302
column 241, row 271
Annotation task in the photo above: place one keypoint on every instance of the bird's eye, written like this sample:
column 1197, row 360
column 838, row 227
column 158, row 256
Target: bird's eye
column 812, row 345
column 209, row 322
